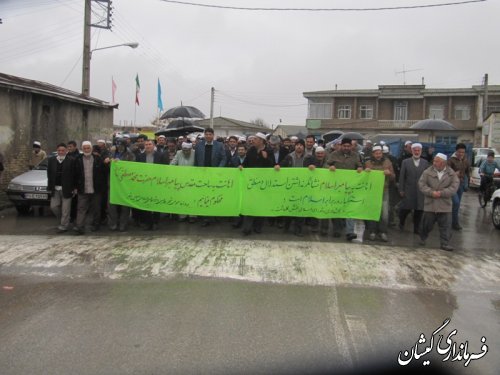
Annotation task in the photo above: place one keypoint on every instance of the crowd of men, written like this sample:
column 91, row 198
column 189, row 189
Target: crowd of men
column 429, row 186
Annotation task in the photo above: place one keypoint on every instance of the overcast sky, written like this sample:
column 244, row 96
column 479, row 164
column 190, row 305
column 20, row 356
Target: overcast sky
column 260, row 62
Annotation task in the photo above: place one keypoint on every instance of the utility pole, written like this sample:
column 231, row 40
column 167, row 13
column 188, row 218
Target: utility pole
column 103, row 23
column 86, row 50
column 485, row 102
column 212, row 99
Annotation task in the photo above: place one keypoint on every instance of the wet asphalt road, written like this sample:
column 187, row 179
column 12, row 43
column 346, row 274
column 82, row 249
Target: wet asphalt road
column 190, row 300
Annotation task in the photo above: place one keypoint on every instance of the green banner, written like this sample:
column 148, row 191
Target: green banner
column 253, row 191
column 176, row 190
column 318, row 193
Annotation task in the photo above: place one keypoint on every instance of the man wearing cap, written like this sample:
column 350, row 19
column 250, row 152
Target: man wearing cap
column 103, row 149
column 257, row 157
column 411, row 196
column 90, row 176
column 345, row 158
column 161, row 143
column 318, row 160
column 459, row 163
column 61, row 184
column 406, row 153
column 185, row 156
column 367, row 150
column 380, row 163
column 438, row 183
column 37, row 155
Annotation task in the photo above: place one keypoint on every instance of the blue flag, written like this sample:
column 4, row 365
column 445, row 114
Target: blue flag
column 160, row 102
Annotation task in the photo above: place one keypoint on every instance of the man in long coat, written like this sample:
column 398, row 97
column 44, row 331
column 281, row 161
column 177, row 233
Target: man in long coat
column 438, row 183
column 411, row 197
column 61, row 184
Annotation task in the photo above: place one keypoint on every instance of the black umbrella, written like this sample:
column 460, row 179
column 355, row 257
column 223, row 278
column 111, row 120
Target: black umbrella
column 182, row 112
column 352, row 135
column 433, row 124
column 332, row 135
column 177, row 128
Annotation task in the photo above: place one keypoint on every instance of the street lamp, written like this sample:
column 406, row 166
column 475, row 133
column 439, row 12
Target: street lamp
column 131, row 45
column 87, row 55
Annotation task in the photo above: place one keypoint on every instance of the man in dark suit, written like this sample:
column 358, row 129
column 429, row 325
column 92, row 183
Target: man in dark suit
column 257, row 157
column 411, row 197
column 90, row 177
column 149, row 218
column 61, row 184
column 276, row 151
column 209, row 153
column 232, row 152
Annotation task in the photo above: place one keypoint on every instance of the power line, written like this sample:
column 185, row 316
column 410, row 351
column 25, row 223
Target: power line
column 322, row 9
column 260, row 104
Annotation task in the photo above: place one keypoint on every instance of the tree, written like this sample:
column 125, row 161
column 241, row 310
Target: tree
column 260, row 122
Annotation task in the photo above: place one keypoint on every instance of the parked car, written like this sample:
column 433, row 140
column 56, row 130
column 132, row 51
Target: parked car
column 475, row 179
column 30, row 189
column 480, row 152
column 495, row 208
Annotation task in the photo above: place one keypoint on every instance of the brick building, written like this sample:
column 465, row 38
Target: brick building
column 32, row 110
column 395, row 108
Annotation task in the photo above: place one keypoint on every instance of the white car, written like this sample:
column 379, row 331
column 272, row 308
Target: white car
column 30, row 189
column 475, row 179
column 495, row 208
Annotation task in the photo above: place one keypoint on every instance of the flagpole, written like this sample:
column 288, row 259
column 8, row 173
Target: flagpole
column 135, row 114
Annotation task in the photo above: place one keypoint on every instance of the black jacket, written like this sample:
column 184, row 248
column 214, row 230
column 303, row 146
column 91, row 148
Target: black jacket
column 159, row 157
column 67, row 178
column 256, row 159
column 100, row 173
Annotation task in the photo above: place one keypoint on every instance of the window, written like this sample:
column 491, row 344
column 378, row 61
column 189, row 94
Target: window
column 344, row 111
column 401, row 111
column 447, row 139
column 436, row 112
column 462, row 112
column 320, row 111
column 366, row 111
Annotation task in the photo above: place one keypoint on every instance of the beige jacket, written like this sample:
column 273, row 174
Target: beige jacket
column 448, row 186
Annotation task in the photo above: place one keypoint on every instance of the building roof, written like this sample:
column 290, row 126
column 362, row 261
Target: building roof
column 293, row 129
column 225, row 122
column 400, row 91
column 42, row 88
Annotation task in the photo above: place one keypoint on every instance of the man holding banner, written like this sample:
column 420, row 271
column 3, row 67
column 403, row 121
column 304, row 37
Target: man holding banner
column 257, row 157
column 345, row 158
column 209, row 153
column 149, row 218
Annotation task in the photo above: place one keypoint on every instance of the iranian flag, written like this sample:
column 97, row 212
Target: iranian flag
column 137, row 89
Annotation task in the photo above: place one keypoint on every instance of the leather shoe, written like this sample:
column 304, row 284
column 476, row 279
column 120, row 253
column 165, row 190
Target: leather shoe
column 447, row 248
column 457, row 227
column 351, row 236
